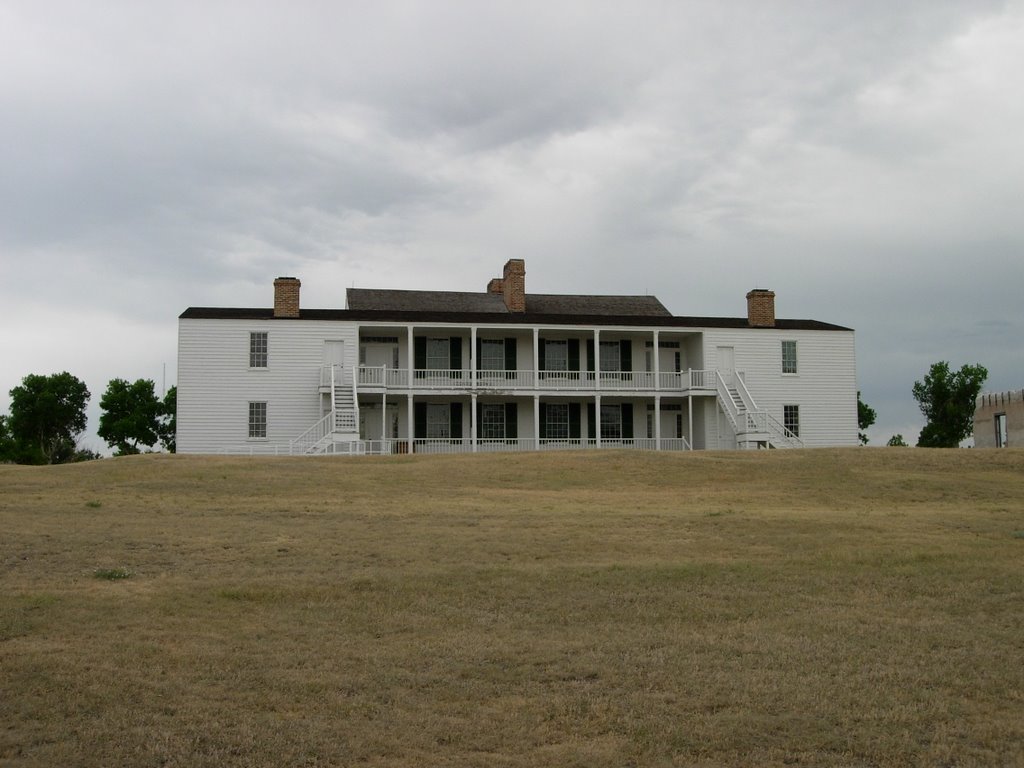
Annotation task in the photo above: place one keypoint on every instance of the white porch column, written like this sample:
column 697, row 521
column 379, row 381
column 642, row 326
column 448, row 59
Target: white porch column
column 689, row 402
column 597, row 364
column 536, row 420
column 657, row 415
column 411, row 424
column 410, row 354
column 473, row 362
column 657, row 364
column 597, row 420
column 472, row 421
column 383, row 419
column 536, row 364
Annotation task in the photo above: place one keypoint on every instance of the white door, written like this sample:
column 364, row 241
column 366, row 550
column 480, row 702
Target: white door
column 334, row 352
column 726, row 361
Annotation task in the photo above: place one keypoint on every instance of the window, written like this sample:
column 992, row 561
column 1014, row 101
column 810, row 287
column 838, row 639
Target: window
column 492, row 421
column 610, row 356
column 1000, row 430
column 556, row 356
column 258, row 420
column 789, row 357
column 438, row 351
column 258, row 349
column 557, row 426
column 439, row 423
column 611, row 422
column 492, row 355
column 791, row 419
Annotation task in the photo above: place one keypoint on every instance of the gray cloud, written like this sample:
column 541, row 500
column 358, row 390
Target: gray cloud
column 861, row 160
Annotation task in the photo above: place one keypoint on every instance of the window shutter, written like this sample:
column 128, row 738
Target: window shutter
column 574, row 410
column 591, row 421
column 540, row 354
column 543, row 419
column 420, row 421
column 510, row 354
column 479, row 353
column 627, row 421
column 590, row 355
column 479, row 418
column 419, row 361
column 574, row 354
column 511, row 421
column 455, row 414
column 626, row 355
column 455, row 354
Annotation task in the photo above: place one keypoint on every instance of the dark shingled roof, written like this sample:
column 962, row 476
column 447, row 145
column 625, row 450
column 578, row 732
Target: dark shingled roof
column 363, row 299
column 360, row 299
column 506, row 318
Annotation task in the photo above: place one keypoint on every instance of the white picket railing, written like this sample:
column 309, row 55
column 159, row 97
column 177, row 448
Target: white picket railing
column 378, row 377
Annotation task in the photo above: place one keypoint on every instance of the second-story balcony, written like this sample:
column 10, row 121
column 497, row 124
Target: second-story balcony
column 384, row 378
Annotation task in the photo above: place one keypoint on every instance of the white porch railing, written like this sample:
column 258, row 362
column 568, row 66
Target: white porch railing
column 586, row 381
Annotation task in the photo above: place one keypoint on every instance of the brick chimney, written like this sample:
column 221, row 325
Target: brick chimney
column 761, row 308
column 513, row 285
column 286, row 297
column 497, row 285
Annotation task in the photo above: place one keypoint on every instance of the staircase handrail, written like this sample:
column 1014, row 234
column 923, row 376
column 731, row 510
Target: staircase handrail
column 312, row 436
column 782, row 432
column 725, row 398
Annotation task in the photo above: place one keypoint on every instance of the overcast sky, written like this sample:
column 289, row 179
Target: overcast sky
column 861, row 159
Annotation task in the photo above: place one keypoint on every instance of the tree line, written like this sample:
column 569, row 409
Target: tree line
column 47, row 416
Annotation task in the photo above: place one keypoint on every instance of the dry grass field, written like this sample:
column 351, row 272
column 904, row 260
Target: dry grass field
column 856, row 607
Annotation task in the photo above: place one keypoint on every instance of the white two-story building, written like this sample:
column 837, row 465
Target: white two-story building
column 505, row 370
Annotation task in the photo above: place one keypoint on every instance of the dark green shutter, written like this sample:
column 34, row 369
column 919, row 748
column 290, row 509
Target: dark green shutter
column 626, row 355
column 455, row 355
column 511, row 421
column 591, row 421
column 419, row 348
column 420, row 421
column 574, row 415
column 590, row 355
column 510, row 356
column 542, row 424
column 479, row 353
column 540, row 355
column 574, row 354
column 455, row 415
column 627, row 421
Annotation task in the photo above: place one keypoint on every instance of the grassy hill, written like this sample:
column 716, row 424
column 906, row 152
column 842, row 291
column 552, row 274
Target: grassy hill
column 847, row 607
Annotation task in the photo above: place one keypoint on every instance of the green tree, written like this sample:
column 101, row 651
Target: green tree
column 8, row 447
column 129, row 417
column 946, row 399
column 865, row 418
column 168, row 420
column 897, row 441
column 47, row 416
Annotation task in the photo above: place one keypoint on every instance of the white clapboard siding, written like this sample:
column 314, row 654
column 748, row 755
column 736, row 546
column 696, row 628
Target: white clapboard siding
column 825, row 385
column 216, row 384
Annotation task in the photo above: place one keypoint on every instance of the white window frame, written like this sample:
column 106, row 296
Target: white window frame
column 611, row 421
column 439, row 353
column 610, row 356
column 790, row 365
column 492, row 355
column 492, row 421
column 561, row 422
column 439, row 421
column 1000, row 424
column 556, row 355
column 257, row 420
column 791, row 419
column 259, row 347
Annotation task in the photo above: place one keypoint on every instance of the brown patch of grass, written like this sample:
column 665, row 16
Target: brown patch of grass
column 849, row 607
